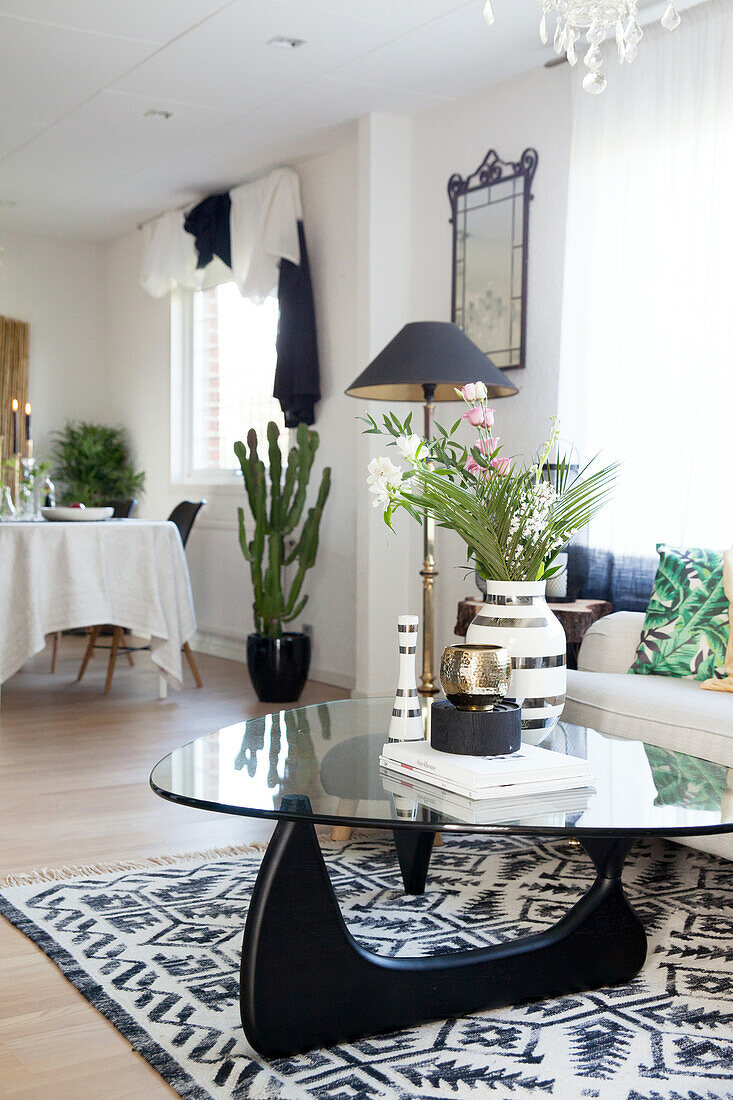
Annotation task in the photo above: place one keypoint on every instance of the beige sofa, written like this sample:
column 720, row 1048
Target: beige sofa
column 673, row 714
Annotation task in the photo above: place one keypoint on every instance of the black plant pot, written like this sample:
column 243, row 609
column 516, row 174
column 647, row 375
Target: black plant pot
column 278, row 666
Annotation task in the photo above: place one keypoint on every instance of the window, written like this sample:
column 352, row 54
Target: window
column 223, row 374
column 647, row 324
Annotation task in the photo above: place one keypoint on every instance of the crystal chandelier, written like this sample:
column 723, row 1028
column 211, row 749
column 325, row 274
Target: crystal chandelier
column 598, row 19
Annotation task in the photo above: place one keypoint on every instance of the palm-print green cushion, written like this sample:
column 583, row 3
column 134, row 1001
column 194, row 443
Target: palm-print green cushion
column 685, row 781
column 686, row 627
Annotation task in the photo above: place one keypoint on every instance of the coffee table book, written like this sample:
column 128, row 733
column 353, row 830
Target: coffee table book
column 533, row 768
column 548, row 808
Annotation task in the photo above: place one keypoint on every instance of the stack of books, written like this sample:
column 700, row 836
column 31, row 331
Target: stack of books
column 416, row 801
column 530, row 771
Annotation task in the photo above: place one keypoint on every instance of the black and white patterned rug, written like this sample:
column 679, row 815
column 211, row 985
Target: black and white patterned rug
column 156, row 950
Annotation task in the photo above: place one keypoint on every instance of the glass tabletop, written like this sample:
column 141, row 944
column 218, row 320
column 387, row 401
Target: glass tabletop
column 321, row 764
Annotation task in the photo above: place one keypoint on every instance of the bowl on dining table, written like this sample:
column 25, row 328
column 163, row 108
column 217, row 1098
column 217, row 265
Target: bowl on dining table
column 61, row 514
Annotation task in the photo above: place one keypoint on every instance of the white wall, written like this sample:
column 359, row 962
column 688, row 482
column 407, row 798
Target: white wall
column 387, row 582
column 329, row 188
column 57, row 287
column 413, row 283
column 139, row 395
column 530, row 110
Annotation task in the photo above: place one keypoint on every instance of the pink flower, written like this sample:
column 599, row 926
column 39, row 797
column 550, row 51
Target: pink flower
column 468, row 393
column 488, row 446
column 501, row 465
column 473, row 467
column 488, row 418
column 475, row 416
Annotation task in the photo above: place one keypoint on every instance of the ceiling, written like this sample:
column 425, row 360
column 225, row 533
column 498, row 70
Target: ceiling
column 80, row 157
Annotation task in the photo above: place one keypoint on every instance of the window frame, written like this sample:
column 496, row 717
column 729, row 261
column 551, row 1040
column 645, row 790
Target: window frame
column 182, row 472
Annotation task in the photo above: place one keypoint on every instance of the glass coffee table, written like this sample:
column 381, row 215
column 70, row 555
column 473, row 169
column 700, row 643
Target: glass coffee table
column 307, row 983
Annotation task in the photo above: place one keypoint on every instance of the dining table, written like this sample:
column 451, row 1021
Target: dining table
column 69, row 575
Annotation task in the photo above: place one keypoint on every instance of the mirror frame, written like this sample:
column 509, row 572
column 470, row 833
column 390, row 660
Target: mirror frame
column 493, row 170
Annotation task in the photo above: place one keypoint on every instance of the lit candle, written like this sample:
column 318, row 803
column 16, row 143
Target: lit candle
column 28, row 436
column 15, row 426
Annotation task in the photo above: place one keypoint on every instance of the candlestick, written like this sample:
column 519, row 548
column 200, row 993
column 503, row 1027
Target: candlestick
column 15, row 426
column 16, row 481
column 28, row 436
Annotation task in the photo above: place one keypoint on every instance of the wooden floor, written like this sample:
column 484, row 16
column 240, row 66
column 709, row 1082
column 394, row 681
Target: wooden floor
column 74, row 769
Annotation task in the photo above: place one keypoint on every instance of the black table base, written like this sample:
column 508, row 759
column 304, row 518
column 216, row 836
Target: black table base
column 307, row 983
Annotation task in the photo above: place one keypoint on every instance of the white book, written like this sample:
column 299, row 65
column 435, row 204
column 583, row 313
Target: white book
column 502, row 791
column 547, row 808
column 530, row 764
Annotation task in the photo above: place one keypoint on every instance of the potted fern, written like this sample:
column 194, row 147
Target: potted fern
column 279, row 660
column 93, row 465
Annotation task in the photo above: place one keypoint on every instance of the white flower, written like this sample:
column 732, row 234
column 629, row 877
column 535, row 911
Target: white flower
column 481, row 391
column 384, row 480
column 408, row 446
column 382, row 467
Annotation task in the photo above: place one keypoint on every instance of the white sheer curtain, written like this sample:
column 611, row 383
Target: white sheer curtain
column 647, row 346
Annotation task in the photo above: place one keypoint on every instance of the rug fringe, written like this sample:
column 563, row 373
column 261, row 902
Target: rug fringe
column 89, row 870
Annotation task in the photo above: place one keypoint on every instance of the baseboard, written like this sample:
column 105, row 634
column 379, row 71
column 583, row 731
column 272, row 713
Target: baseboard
column 219, row 645
column 231, row 648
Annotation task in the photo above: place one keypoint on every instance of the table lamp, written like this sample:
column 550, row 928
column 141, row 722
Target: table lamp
column 425, row 362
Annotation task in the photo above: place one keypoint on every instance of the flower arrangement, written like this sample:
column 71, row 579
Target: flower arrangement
column 514, row 518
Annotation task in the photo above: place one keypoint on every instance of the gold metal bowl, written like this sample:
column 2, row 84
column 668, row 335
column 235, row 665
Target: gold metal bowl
column 475, row 677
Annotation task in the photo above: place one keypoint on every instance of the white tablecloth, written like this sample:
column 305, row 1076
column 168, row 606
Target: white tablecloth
column 58, row 576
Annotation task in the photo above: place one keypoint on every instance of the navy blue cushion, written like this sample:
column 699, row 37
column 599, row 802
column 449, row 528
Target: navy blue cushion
column 626, row 580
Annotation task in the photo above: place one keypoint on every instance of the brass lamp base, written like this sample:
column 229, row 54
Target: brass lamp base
column 429, row 686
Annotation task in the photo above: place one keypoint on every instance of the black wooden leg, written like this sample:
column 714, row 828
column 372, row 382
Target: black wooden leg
column 414, row 848
column 307, row 983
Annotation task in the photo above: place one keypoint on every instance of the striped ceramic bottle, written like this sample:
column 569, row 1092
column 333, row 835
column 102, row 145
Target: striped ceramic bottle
column 406, row 723
column 516, row 615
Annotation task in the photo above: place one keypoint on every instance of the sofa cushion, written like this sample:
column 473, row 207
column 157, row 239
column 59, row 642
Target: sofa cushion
column 610, row 644
column 674, row 714
column 686, row 627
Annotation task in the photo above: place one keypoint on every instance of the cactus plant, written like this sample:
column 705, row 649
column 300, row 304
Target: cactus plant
column 274, row 544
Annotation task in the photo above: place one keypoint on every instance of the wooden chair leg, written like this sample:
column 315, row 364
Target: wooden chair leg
column 93, row 635
column 54, row 650
column 127, row 652
column 117, row 637
column 192, row 665
column 343, row 832
column 346, row 806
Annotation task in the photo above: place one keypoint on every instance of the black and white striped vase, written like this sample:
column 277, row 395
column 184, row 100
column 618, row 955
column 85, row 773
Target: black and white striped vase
column 406, row 723
column 516, row 615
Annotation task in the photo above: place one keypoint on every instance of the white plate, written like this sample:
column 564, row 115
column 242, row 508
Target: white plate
column 78, row 515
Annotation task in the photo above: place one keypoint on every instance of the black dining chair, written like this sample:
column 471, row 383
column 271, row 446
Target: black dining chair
column 183, row 516
column 123, row 509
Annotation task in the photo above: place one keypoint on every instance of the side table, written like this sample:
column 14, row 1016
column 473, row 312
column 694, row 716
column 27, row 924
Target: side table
column 575, row 617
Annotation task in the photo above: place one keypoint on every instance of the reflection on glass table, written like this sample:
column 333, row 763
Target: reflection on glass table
column 329, row 754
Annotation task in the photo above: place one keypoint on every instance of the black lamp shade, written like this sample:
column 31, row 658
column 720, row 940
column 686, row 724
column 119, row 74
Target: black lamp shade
column 429, row 356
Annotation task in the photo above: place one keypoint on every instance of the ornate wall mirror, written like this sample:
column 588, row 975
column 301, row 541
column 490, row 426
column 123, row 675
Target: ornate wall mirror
column 490, row 218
